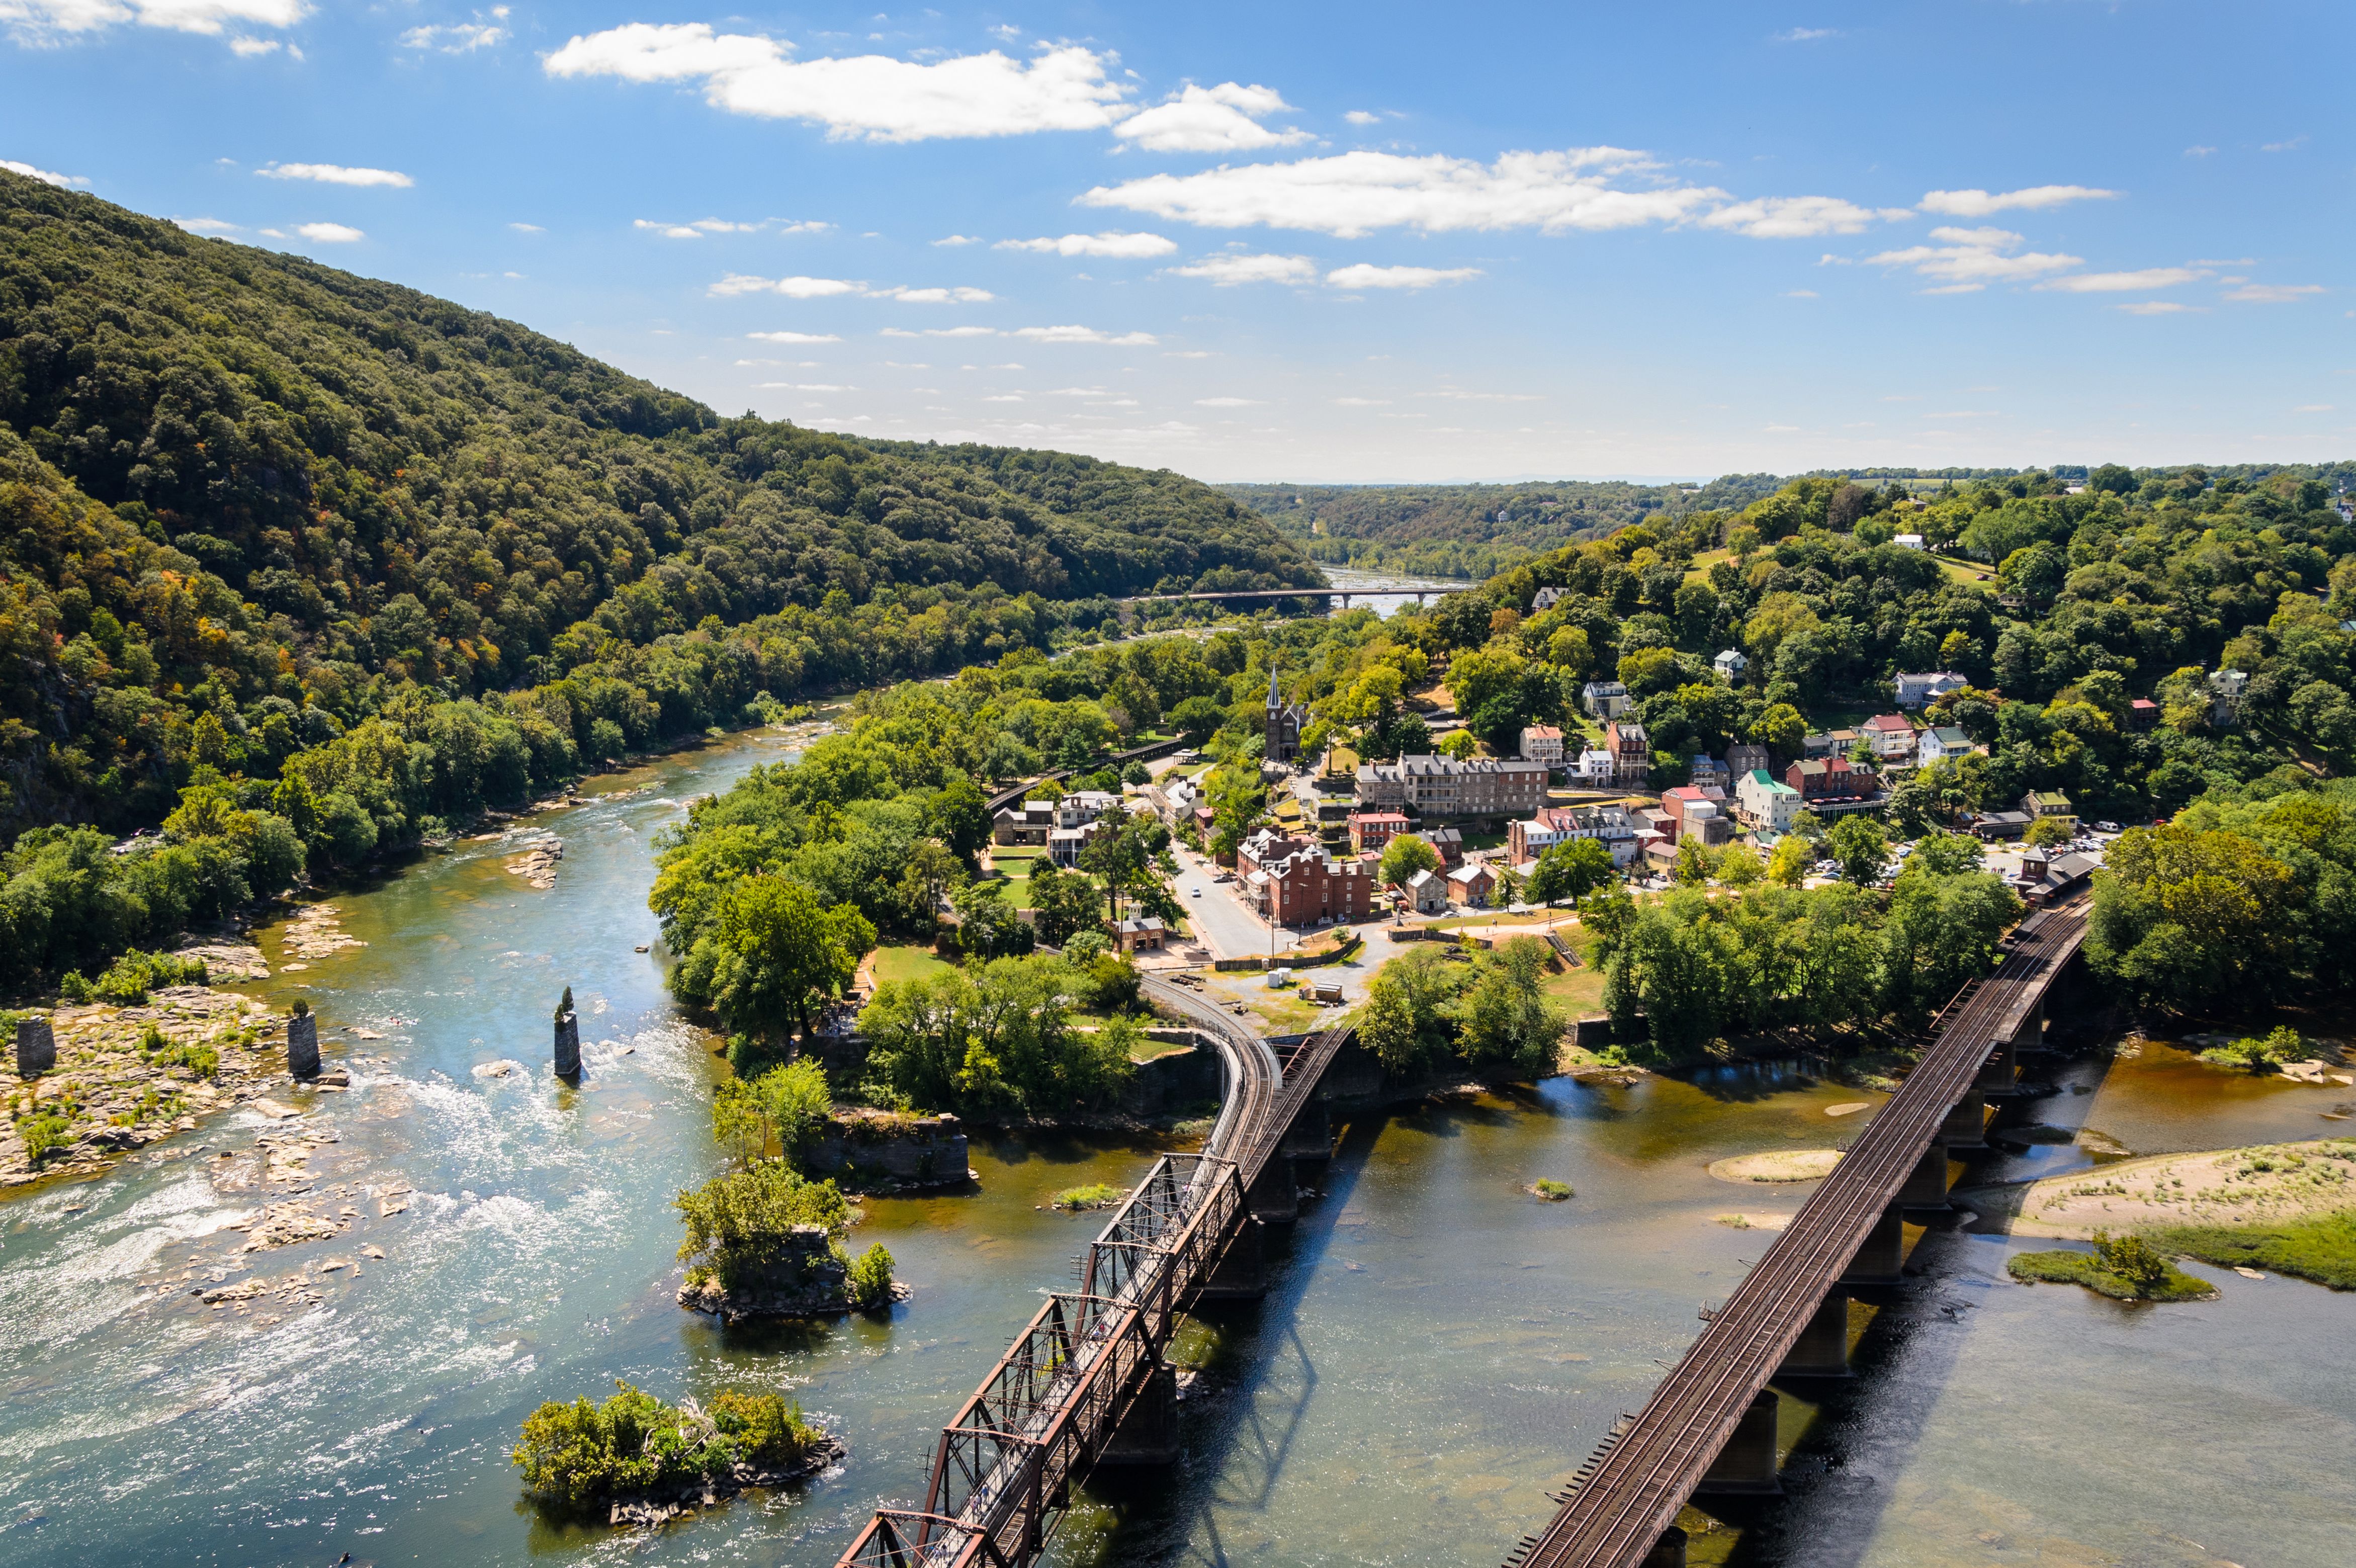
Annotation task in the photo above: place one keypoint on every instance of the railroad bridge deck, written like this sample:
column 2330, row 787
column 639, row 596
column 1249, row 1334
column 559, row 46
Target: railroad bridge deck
column 1709, row 1425
column 1087, row 1382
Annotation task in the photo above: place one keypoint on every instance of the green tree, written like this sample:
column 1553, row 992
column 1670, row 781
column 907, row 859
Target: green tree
column 961, row 817
column 777, row 950
column 1788, row 862
column 1862, row 848
column 1196, row 718
column 1236, row 797
column 1404, row 856
column 1504, row 1016
column 1062, row 903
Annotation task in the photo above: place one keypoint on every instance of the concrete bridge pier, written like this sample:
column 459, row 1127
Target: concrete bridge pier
column 1966, row 1125
column 1308, row 1145
column 1882, row 1257
column 1273, row 1199
column 1148, row 1434
column 1822, row 1349
column 1669, row 1552
column 1926, row 1184
column 1746, row 1465
column 2000, row 1074
column 1241, row 1272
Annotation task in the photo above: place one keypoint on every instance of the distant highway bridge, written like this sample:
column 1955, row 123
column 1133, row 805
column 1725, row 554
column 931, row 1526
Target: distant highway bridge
column 1273, row 595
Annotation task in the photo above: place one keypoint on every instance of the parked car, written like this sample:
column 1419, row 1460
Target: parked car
column 2107, row 827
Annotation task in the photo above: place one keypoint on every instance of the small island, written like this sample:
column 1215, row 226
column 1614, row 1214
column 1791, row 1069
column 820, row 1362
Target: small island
column 639, row 1461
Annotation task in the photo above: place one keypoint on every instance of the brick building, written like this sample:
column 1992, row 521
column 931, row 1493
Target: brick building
column 1444, row 786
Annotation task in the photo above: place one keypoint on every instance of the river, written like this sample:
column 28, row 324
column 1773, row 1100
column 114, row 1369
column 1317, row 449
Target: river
column 1439, row 1350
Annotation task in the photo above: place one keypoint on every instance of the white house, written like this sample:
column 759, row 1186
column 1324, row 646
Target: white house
column 1766, row 800
column 1917, row 690
column 1938, row 745
column 1908, row 540
column 1595, row 768
column 1891, row 737
column 1084, row 806
column 2225, row 689
column 1545, row 599
column 1543, row 742
column 1604, row 699
column 1730, row 664
column 1429, row 891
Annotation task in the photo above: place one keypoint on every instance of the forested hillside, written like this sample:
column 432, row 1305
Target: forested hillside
column 248, row 503
column 1474, row 531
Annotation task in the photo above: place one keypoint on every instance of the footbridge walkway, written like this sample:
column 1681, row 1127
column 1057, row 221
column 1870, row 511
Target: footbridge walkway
column 1710, row 1426
column 1087, row 1382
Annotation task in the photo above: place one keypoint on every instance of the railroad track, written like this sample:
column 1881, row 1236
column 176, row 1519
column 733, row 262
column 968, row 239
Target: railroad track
column 1005, row 1466
column 1629, row 1495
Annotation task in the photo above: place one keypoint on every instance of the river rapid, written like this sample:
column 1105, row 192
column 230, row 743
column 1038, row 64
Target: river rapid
column 1440, row 1349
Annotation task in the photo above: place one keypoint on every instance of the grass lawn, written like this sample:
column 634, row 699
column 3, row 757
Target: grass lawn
column 1149, row 1050
column 1959, row 570
column 908, row 962
column 1704, row 562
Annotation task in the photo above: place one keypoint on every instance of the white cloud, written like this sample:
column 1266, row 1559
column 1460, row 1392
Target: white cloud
column 669, row 230
column 872, row 97
column 1112, row 243
column 907, row 295
column 527, row 228
column 958, row 240
column 2199, row 152
column 1353, row 194
column 35, row 20
column 63, row 181
column 1228, row 271
column 2124, row 283
column 2313, row 408
column 1971, row 259
column 2157, row 307
column 248, row 48
column 1222, row 119
column 792, row 287
column 1229, row 402
column 337, row 174
column 793, row 337
column 207, row 226
column 950, row 332
column 329, row 234
column 1800, row 294
column 1362, row 401
column 1361, row 117
column 2292, row 146
column 1980, row 203
column 1799, row 217
column 1364, row 276
column 1805, row 35
column 1086, row 335
column 460, row 37
column 2273, row 293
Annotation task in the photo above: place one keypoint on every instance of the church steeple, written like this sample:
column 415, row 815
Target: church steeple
column 1275, row 697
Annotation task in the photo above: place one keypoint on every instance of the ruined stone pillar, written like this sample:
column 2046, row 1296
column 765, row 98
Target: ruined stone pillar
column 1881, row 1256
column 1148, row 1434
column 37, row 1047
column 302, row 1042
column 1746, row 1465
column 1966, row 1125
column 568, row 1045
column 1822, row 1349
column 1241, row 1272
column 1926, row 1184
column 1669, row 1552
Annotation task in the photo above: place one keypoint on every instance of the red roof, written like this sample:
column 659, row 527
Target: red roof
column 1887, row 722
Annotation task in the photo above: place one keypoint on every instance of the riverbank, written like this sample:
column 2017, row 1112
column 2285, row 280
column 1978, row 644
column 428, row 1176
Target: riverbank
column 2268, row 1184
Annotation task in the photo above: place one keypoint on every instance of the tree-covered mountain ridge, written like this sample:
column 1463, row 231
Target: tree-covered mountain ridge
column 243, row 485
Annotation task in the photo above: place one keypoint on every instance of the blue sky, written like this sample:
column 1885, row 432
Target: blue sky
column 1316, row 242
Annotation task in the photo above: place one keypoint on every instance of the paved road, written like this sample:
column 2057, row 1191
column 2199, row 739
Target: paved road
column 1220, row 916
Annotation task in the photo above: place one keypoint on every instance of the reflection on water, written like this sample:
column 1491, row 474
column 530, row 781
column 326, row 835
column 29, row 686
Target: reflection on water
column 1438, row 1350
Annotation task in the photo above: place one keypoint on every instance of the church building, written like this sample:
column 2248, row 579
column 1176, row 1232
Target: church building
column 1285, row 721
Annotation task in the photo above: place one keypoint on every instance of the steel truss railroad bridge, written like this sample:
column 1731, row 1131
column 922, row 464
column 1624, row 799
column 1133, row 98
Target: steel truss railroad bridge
column 1087, row 1383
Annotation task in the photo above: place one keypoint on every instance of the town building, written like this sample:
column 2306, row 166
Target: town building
column 1834, row 786
column 1677, row 802
column 1730, row 664
column 1285, row 722
column 1708, row 770
column 1742, row 758
column 1831, row 743
column 1471, row 885
column 1891, row 737
column 1447, row 843
column 2050, row 805
column 1939, row 745
column 1765, row 802
column 1545, row 599
column 1542, row 743
column 2226, row 690
column 1145, row 933
column 1445, row 787
column 1370, row 831
column 1310, row 886
column 1082, row 806
column 1920, row 690
column 1064, row 844
column 1265, row 846
column 1990, row 826
column 2142, row 713
column 1632, row 753
column 1604, row 699
column 1595, row 768
column 1609, row 825
column 1907, row 540
column 2049, row 881
column 1025, row 823
column 1427, row 893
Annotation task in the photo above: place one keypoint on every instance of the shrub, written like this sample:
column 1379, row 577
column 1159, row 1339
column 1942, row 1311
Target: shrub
column 736, row 1221
column 784, row 1105
column 2281, row 1044
column 73, row 987
column 1096, row 1195
column 2125, row 1269
column 43, row 1133
column 131, row 976
column 868, row 1279
column 1553, row 1191
column 581, row 1453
